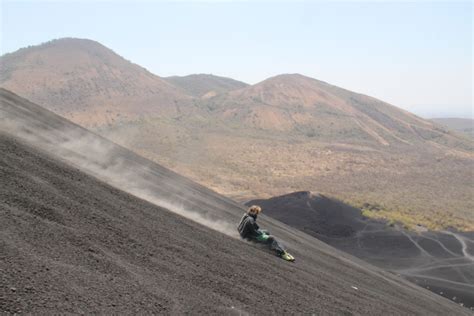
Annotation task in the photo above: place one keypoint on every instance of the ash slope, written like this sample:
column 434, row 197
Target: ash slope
column 440, row 261
column 71, row 242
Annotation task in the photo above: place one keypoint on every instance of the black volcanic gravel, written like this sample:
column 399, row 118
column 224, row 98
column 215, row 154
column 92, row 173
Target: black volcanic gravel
column 440, row 266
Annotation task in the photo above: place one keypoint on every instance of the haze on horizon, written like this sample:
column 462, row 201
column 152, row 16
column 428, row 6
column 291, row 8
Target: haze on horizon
column 415, row 55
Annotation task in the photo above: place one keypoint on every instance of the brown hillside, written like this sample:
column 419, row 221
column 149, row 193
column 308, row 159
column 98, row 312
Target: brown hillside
column 261, row 141
column 203, row 85
column 87, row 82
column 316, row 109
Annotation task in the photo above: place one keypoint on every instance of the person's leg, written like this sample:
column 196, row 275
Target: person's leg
column 275, row 245
column 271, row 242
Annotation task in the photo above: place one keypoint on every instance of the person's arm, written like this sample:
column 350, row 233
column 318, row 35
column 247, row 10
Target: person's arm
column 253, row 227
column 260, row 231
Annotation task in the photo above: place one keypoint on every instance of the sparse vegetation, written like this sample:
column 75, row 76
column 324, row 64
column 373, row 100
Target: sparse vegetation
column 400, row 187
column 411, row 218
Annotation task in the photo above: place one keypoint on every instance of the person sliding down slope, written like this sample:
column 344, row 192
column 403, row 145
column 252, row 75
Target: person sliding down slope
column 249, row 230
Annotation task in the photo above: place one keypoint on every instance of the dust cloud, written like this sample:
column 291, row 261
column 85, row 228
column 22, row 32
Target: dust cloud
column 108, row 162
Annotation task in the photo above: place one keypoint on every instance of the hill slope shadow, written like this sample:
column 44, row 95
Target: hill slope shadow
column 440, row 261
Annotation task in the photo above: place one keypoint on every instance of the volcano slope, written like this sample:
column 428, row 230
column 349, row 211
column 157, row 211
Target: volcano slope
column 73, row 241
column 440, row 261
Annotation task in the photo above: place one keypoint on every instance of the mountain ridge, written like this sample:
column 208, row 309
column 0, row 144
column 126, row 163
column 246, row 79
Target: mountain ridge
column 92, row 85
column 293, row 101
column 205, row 85
column 84, row 80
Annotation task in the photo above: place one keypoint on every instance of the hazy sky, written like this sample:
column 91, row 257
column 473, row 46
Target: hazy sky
column 415, row 55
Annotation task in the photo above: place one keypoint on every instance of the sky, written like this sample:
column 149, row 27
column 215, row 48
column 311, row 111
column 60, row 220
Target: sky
column 416, row 55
